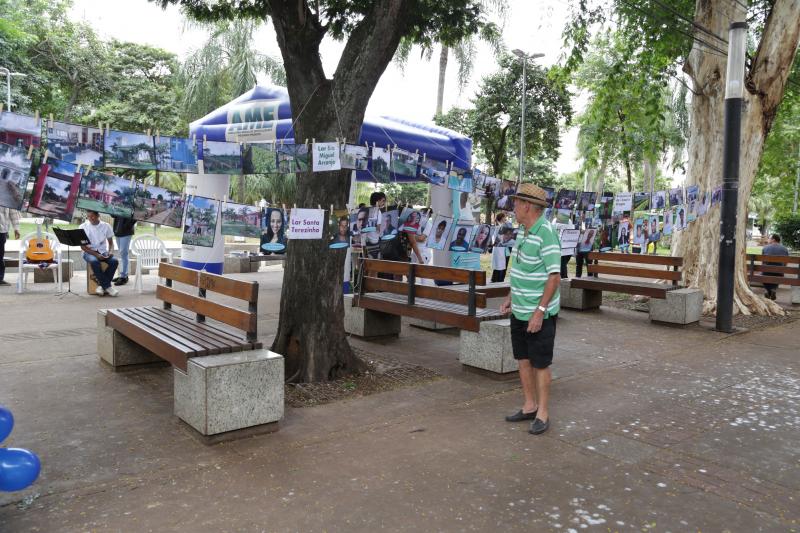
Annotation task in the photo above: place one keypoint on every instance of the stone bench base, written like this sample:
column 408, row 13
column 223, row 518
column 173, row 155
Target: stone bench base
column 117, row 350
column 795, row 295
column 682, row 306
column 367, row 323
column 490, row 348
column 580, row 299
column 228, row 392
column 235, row 264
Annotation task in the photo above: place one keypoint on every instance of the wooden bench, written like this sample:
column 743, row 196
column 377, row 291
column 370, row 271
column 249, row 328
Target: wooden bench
column 212, row 338
column 657, row 277
column 759, row 271
column 464, row 309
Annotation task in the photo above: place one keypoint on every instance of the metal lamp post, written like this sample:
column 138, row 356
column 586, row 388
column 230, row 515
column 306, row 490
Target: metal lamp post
column 734, row 97
column 524, row 57
column 8, row 75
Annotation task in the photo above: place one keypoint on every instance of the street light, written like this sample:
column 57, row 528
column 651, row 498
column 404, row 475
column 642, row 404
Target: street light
column 524, row 57
column 9, row 74
column 734, row 96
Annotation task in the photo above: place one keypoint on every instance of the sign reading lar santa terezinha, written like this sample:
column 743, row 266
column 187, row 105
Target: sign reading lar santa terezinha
column 306, row 223
column 326, row 157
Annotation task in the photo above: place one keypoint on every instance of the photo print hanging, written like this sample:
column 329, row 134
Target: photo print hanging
column 641, row 201
column 705, row 203
column 606, row 206
column 412, row 220
column 482, row 236
column 623, row 201
column 716, row 196
column 273, row 231
column 259, row 158
column 200, row 225
column 358, row 224
column 220, row 157
column 680, row 219
column 355, row 157
column 107, row 193
column 325, row 157
column 15, row 167
column 123, row 149
column 658, row 200
column 404, row 164
column 549, row 195
column 240, row 220
column 55, row 190
column 460, row 238
column 460, row 179
column 339, row 229
column 653, row 235
column 75, row 144
column 381, row 164
column 669, row 214
column 507, row 189
column 566, row 199
column 491, row 186
column 692, row 197
column 676, row 197
column 157, row 205
column 20, row 130
column 586, row 201
column 434, row 172
column 389, row 223
column 439, row 233
column 176, row 154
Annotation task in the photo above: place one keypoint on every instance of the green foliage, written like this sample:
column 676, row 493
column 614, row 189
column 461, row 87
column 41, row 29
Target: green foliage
column 788, row 228
column 405, row 193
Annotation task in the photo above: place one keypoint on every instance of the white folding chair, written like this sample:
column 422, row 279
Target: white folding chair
column 148, row 251
column 26, row 268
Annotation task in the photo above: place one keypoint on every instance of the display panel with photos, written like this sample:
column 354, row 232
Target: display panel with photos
column 292, row 158
column 123, row 149
column 260, row 158
column 355, row 157
column 438, row 238
column 220, row 157
column 273, row 231
column 200, row 224
column 15, row 167
column 107, row 193
column 240, row 220
column 380, row 164
column 460, row 180
column 586, row 201
column 176, row 154
column 460, row 237
column 75, row 143
column 20, row 130
column 157, row 205
column 481, row 237
column 55, row 190
column 339, row 229
column 404, row 164
column 434, row 172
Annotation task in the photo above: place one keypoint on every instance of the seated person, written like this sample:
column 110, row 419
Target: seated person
column 101, row 242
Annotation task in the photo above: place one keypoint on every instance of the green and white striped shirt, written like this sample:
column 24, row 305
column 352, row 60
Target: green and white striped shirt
column 537, row 254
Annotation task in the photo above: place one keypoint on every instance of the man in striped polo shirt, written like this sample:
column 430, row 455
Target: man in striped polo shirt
column 534, row 303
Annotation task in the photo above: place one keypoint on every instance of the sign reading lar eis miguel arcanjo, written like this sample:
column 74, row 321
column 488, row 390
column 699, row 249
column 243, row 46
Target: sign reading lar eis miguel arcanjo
column 326, row 157
column 306, row 223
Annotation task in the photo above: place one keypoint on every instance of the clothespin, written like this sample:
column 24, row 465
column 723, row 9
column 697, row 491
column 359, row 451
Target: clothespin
column 46, row 155
column 313, row 141
column 281, row 142
column 388, row 148
column 1, row 107
column 158, row 135
column 194, row 138
column 320, row 207
column 306, row 141
column 283, row 206
column 108, row 128
column 204, row 138
column 424, row 156
column 78, row 170
column 148, row 132
column 331, row 209
column 50, row 121
column 36, row 116
column 30, row 148
column 366, row 144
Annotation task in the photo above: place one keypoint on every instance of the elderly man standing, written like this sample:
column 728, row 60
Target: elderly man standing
column 534, row 304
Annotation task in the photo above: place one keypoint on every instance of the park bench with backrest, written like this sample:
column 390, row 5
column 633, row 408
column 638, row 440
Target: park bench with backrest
column 760, row 271
column 657, row 277
column 220, row 366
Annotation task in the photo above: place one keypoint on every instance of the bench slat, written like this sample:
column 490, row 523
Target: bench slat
column 186, row 330
column 190, row 344
column 222, row 336
column 228, row 315
column 636, row 258
column 654, row 290
column 243, row 290
column 422, row 291
column 456, row 275
column 418, row 311
column 159, row 345
column 775, row 280
column 783, row 259
column 178, row 273
column 634, row 272
column 769, row 269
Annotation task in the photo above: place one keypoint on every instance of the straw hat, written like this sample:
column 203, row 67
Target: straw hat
column 529, row 192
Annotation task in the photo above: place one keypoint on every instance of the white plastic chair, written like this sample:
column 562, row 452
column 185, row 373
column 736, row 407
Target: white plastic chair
column 148, row 251
column 26, row 268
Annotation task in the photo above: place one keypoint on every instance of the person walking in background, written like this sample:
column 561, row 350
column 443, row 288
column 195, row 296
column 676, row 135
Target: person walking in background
column 9, row 219
column 534, row 304
column 584, row 247
column 773, row 248
column 501, row 252
column 123, row 231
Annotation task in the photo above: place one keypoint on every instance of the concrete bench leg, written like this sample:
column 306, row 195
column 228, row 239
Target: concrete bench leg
column 116, row 349
column 227, row 392
column 682, row 306
column 580, row 299
column 367, row 323
column 488, row 349
column 795, row 295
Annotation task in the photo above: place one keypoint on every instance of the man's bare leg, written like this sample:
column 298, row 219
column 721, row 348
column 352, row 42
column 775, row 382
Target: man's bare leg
column 527, row 375
column 543, row 377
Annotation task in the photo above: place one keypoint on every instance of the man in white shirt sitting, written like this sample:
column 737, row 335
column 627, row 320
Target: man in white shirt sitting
column 101, row 242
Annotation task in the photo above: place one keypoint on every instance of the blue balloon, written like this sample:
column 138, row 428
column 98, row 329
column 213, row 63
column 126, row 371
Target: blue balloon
column 6, row 423
column 18, row 468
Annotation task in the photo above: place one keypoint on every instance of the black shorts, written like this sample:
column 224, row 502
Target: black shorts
column 536, row 347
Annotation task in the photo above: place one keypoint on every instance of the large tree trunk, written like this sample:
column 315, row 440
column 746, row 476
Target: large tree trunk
column 766, row 80
column 311, row 333
column 442, row 71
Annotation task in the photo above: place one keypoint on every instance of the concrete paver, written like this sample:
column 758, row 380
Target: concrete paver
column 653, row 428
